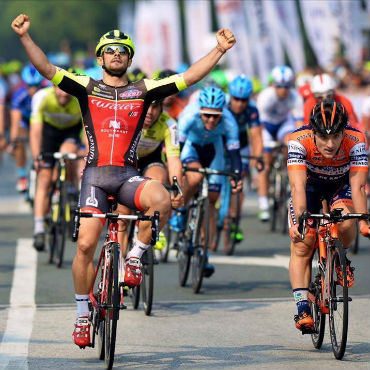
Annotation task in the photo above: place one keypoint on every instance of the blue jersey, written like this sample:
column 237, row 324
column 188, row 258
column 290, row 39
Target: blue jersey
column 191, row 129
column 21, row 100
column 246, row 120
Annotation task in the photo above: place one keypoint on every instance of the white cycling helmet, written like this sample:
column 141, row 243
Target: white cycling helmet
column 282, row 76
column 322, row 84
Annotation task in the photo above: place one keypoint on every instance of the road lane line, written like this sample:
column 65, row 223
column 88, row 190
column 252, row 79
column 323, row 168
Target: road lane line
column 275, row 261
column 14, row 345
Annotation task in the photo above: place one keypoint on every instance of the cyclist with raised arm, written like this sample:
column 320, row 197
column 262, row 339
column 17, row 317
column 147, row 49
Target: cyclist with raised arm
column 246, row 115
column 113, row 112
column 56, row 124
column 323, row 86
column 327, row 159
column 281, row 111
column 202, row 127
column 20, row 113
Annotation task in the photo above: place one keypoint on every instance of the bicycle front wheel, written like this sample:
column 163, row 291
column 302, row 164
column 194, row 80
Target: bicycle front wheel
column 231, row 229
column 338, row 300
column 112, row 306
column 201, row 244
column 315, row 299
column 148, row 280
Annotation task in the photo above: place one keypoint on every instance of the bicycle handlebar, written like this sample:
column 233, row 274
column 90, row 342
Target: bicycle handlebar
column 115, row 216
column 209, row 171
column 333, row 216
column 175, row 188
column 59, row 155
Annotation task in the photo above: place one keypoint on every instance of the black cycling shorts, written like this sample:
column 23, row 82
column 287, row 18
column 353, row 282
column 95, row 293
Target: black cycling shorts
column 124, row 183
column 53, row 138
column 150, row 160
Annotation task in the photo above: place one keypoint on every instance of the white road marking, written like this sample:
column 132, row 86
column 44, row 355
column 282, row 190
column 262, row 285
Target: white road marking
column 14, row 205
column 275, row 261
column 14, row 345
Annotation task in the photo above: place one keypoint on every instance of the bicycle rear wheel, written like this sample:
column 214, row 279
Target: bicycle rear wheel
column 315, row 296
column 61, row 229
column 112, row 305
column 201, row 244
column 148, row 280
column 338, row 301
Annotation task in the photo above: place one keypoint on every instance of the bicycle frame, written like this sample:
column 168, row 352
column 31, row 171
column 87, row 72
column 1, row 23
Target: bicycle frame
column 326, row 232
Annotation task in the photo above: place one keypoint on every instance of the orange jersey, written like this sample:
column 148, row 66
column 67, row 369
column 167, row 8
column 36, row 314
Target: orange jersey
column 352, row 118
column 304, row 155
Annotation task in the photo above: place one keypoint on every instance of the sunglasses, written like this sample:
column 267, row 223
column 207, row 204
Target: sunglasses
column 280, row 86
column 111, row 49
column 243, row 100
column 210, row 115
column 324, row 96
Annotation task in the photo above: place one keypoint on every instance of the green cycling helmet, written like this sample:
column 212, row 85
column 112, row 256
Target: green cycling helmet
column 115, row 37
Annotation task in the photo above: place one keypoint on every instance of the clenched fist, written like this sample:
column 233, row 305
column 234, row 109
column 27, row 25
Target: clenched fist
column 21, row 24
column 225, row 39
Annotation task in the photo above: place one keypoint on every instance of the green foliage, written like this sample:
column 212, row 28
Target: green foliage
column 81, row 22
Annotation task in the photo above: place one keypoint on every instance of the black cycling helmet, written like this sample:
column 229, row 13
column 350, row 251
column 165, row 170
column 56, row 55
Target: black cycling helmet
column 137, row 74
column 328, row 117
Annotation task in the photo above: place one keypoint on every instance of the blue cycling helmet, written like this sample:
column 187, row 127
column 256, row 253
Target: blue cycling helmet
column 282, row 75
column 31, row 76
column 211, row 97
column 241, row 87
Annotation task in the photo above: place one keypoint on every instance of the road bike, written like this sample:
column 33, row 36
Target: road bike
column 279, row 190
column 328, row 289
column 226, row 223
column 108, row 291
column 171, row 235
column 62, row 206
column 194, row 241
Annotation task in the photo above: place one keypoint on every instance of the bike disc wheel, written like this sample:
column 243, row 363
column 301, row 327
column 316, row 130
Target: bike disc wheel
column 338, row 302
column 201, row 245
column 148, row 280
column 112, row 310
column 314, row 300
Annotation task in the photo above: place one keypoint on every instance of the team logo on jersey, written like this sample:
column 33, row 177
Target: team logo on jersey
column 102, row 86
column 115, row 125
column 132, row 93
column 133, row 114
column 136, row 179
column 97, row 89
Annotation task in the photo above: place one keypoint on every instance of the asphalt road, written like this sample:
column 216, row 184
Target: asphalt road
column 242, row 318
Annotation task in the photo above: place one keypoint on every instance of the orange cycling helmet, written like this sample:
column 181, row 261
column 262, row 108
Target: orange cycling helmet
column 115, row 37
column 328, row 117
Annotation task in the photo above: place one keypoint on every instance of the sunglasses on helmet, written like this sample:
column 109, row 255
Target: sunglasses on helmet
column 324, row 96
column 111, row 49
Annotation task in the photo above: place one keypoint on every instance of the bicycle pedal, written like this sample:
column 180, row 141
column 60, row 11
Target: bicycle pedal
column 349, row 299
column 122, row 307
column 308, row 331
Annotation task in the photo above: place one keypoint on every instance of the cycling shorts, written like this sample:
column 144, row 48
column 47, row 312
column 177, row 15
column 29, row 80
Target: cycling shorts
column 208, row 156
column 124, row 183
column 53, row 138
column 336, row 197
column 272, row 132
column 151, row 160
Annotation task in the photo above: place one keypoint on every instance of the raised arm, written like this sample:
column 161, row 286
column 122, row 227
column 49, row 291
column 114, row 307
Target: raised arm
column 198, row 70
column 20, row 26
